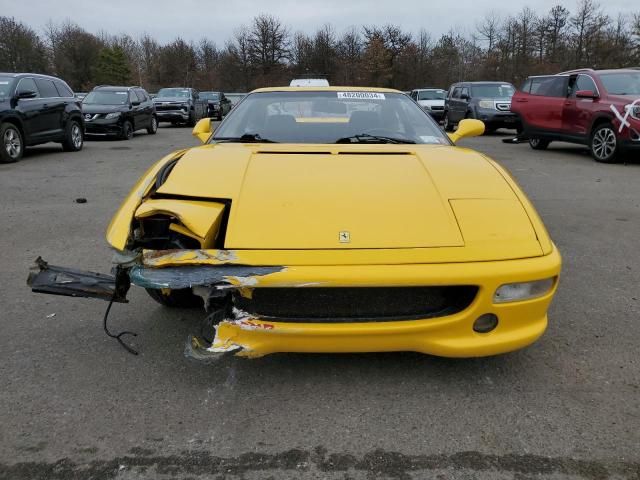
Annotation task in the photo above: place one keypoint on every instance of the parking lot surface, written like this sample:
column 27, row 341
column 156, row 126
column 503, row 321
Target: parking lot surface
column 74, row 404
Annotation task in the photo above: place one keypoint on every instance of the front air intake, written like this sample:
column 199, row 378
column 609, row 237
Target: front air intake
column 356, row 304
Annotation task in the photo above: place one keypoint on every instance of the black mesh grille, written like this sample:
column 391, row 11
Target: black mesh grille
column 356, row 304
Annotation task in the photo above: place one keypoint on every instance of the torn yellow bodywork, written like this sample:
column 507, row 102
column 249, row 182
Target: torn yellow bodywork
column 520, row 323
column 119, row 229
column 199, row 220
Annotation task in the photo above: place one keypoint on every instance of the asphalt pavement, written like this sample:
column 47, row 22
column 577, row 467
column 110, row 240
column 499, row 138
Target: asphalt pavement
column 75, row 405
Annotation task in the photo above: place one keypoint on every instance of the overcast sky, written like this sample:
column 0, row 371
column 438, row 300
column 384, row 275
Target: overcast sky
column 191, row 19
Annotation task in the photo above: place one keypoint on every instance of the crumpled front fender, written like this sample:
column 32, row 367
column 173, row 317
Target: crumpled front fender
column 119, row 229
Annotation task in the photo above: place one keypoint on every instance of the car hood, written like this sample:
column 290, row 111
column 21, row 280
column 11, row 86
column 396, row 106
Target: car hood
column 170, row 99
column 96, row 108
column 431, row 103
column 357, row 196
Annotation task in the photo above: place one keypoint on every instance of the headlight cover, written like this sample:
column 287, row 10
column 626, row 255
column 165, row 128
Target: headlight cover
column 426, row 107
column 635, row 110
column 487, row 104
column 517, row 292
column 112, row 115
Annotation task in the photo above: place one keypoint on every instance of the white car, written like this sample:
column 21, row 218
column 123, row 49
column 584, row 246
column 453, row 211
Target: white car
column 431, row 100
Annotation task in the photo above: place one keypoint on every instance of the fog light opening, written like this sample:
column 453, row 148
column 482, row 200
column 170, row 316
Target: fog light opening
column 485, row 323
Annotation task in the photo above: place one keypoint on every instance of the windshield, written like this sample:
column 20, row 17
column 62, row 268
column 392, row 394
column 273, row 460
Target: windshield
column 6, row 87
column 210, row 95
column 173, row 92
column 330, row 117
column 623, row 83
column 106, row 98
column 431, row 94
column 493, row 91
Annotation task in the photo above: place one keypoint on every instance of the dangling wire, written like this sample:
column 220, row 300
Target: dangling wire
column 117, row 337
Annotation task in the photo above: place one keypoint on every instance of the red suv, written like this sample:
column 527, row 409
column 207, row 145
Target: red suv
column 598, row 108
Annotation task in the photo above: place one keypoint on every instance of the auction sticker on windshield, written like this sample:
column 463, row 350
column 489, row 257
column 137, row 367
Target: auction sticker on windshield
column 361, row 95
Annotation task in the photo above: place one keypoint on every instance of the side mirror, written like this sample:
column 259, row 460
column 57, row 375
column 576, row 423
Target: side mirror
column 135, row 104
column 468, row 127
column 586, row 94
column 26, row 94
column 464, row 96
column 203, row 130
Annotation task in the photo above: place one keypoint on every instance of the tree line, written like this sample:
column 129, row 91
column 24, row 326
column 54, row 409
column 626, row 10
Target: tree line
column 267, row 52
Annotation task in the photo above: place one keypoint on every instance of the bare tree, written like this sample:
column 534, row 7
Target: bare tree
column 74, row 54
column 268, row 43
column 557, row 19
column 208, row 59
column 488, row 29
column 349, row 56
column 301, row 53
column 266, row 54
column 324, row 50
column 20, row 48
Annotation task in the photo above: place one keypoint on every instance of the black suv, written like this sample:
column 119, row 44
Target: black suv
column 119, row 111
column 219, row 104
column 486, row 101
column 37, row 109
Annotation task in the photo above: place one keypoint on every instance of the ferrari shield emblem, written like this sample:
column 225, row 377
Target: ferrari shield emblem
column 344, row 237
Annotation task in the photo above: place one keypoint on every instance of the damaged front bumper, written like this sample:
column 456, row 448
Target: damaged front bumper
column 249, row 334
column 45, row 278
column 232, row 282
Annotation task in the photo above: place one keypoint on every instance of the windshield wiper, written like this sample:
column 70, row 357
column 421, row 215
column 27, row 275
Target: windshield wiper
column 246, row 138
column 367, row 138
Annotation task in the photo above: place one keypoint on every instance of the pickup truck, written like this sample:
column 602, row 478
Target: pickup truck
column 180, row 105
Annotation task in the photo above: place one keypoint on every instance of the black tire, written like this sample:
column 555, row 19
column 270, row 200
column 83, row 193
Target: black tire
column 446, row 123
column 153, row 126
column 538, row 143
column 192, row 120
column 12, row 143
column 183, row 298
column 73, row 137
column 127, row 130
column 604, row 144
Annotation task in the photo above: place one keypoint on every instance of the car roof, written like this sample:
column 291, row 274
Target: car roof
column 326, row 89
column 488, row 82
column 428, row 88
column 112, row 87
column 19, row 75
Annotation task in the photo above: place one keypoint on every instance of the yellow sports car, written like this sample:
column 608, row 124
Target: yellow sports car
column 332, row 219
